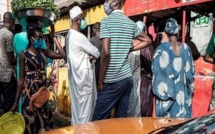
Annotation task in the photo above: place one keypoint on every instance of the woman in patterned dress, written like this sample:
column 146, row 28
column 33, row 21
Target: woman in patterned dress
column 173, row 75
column 32, row 77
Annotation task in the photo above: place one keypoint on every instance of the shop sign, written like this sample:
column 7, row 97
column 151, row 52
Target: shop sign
column 202, row 21
column 135, row 7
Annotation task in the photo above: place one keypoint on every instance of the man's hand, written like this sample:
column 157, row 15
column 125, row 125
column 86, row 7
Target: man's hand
column 100, row 87
column 91, row 58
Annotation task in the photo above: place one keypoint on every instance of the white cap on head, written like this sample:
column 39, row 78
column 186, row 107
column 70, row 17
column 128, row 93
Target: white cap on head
column 141, row 25
column 74, row 12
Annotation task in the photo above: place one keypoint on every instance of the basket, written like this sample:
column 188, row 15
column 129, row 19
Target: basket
column 43, row 17
column 12, row 123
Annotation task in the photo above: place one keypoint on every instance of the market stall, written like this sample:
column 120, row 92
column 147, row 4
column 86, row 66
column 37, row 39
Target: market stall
column 193, row 15
column 59, row 77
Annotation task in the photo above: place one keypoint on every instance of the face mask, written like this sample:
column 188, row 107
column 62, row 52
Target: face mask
column 38, row 43
column 83, row 24
column 107, row 8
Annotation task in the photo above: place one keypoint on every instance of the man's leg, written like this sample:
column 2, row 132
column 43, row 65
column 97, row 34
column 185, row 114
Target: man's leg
column 106, row 100
column 122, row 104
column 9, row 93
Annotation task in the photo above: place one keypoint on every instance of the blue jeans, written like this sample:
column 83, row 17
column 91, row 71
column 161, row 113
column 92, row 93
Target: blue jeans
column 114, row 95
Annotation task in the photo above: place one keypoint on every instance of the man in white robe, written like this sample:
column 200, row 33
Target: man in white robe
column 82, row 81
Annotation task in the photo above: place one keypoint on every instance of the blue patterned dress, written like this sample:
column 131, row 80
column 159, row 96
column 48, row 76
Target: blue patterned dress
column 39, row 118
column 172, row 84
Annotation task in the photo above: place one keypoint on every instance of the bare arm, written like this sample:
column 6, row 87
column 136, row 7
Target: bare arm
column 105, row 58
column 141, row 41
column 54, row 55
column 20, row 82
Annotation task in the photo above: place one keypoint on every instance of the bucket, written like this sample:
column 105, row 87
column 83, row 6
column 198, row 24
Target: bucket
column 12, row 123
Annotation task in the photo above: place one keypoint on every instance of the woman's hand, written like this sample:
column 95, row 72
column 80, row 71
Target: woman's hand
column 14, row 108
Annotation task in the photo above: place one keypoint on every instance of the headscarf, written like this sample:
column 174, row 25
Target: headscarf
column 172, row 27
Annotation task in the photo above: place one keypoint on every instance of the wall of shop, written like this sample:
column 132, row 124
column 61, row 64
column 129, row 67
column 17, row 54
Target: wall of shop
column 92, row 15
column 63, row 24
column 4, row 7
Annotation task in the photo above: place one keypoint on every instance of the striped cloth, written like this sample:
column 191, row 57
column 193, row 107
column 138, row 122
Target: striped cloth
column 121, row 30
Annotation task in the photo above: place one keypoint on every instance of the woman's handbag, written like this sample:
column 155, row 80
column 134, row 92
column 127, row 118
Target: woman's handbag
column 39, row 98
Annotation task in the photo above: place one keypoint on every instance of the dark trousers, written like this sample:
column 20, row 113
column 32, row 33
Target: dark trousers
column 8, row 90
column 114, row 95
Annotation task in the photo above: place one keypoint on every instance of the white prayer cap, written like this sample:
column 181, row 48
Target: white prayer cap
column 74, row 12
column 141, row 25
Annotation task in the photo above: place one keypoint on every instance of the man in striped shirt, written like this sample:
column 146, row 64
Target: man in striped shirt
column 115, row 81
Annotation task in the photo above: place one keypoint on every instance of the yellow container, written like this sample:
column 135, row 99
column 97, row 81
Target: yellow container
column 12, row 123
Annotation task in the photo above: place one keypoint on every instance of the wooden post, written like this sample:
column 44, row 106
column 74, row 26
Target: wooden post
column 144, row 21
column 183, row 25
column 88, row 32
column 8, row 5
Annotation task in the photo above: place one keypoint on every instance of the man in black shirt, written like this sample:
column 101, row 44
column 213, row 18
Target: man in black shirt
column 97, row 43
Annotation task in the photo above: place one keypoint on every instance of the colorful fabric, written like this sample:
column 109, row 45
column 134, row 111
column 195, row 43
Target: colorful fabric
column 146, row 94
column 6, row 70
column 173, row 77
column 39, row 118
column 172, row 26
column 121, row 30
column 20, row 43
column 210, row 49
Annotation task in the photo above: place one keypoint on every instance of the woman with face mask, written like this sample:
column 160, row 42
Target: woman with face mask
column 32, row 78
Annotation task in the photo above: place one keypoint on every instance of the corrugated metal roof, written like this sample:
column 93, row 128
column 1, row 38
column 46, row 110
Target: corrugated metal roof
column 83, row 3
column 66, row 5
column 69, row 3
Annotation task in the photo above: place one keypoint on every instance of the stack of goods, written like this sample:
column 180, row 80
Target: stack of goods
column 203, row 87
column 44, row 12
